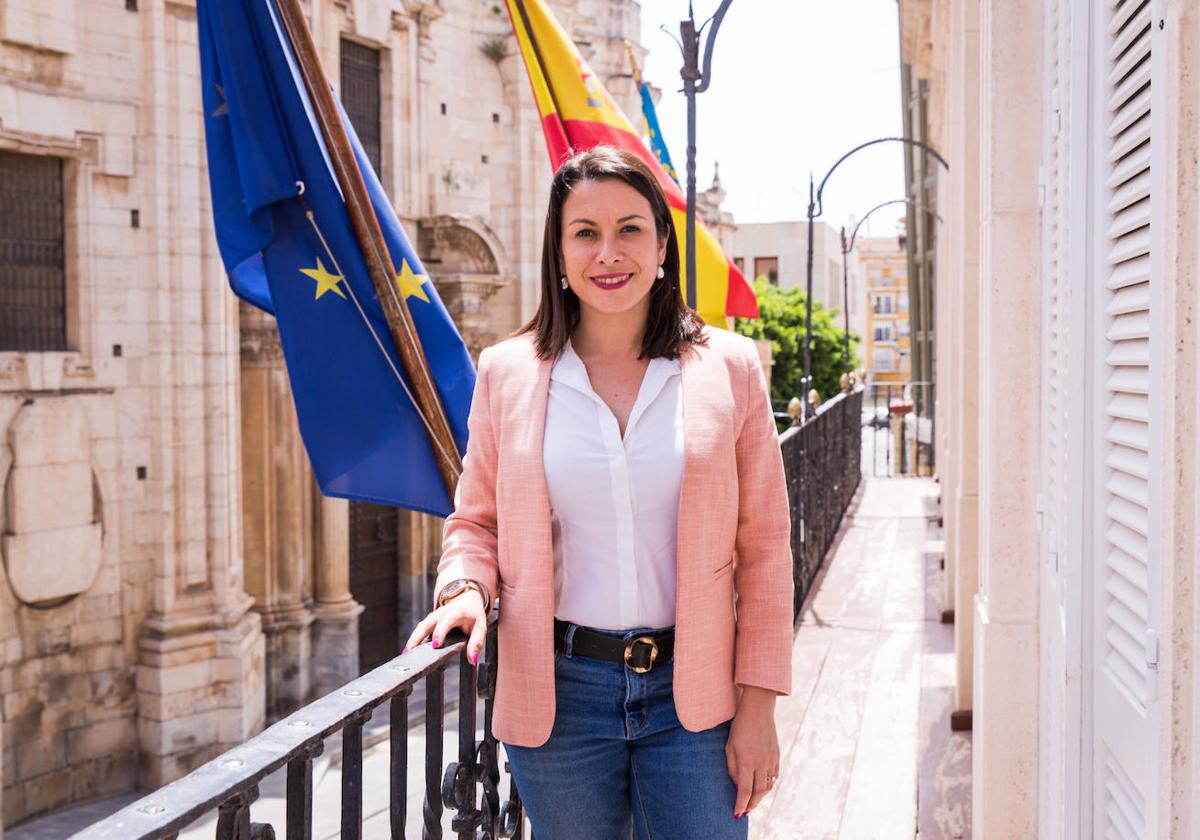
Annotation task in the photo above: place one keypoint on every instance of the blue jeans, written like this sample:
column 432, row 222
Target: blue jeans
column 618, row 753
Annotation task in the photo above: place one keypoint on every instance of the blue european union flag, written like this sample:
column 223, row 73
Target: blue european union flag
column 288, row 246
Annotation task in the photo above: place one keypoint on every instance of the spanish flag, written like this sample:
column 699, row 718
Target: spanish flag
column 577, row 114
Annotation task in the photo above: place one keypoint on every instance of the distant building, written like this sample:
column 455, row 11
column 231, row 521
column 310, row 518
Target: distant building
column 779, row 252
column 887, row 340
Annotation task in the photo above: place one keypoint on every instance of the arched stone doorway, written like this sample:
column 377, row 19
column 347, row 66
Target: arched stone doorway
column 466, row 262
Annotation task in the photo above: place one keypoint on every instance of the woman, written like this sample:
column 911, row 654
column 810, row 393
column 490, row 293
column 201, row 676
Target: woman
column 622, row 483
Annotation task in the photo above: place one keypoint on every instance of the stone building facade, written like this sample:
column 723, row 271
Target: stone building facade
column 172, row 578
column 887, row 334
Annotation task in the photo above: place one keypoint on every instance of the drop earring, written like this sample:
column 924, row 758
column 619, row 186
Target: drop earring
column 563, row 280
column 661, row 273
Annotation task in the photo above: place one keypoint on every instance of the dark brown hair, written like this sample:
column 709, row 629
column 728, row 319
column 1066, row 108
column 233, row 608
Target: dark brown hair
column 670, row 325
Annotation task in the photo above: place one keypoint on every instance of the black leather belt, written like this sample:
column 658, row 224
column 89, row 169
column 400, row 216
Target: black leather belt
column 640, row 654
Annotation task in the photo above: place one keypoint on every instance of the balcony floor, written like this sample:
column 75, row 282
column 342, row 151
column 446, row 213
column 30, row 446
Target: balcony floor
column 866, row 741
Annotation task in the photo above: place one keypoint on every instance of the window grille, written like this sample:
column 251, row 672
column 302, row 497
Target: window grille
column 361, row 96
column 33, row 294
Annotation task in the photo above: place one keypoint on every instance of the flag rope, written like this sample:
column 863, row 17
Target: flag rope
column 308, row 213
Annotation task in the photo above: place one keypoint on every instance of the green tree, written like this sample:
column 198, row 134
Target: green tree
column 781, row 320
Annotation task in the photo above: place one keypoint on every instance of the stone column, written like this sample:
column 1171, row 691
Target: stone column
column 948, row 298
column 1179, row 565
column 465, row 297
column 964, row 495
column 277, row 514
column 1005, row 732
column 335, row 633
column 420, row 548
column 200, row 683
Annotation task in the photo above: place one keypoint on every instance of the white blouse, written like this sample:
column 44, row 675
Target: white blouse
column 614, row 502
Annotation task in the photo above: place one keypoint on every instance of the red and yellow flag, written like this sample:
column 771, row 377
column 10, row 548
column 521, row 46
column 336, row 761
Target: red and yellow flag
column 577, row 113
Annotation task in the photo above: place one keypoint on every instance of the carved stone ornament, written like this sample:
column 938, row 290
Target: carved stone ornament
column 453, row 244
column 260, row 346
column 259, row 337
column 464, row 259
column 425, row 11
column 52, row 533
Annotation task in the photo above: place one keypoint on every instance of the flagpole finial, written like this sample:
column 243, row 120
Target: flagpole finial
column 633, row 63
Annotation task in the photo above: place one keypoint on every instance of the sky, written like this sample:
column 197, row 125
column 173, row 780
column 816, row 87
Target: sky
column 795, row 85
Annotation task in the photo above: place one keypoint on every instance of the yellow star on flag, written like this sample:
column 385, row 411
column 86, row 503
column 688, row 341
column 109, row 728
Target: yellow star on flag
column 326, row 282
column 411, row 284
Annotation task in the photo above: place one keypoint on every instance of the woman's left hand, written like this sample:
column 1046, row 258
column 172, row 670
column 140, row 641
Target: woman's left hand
column 752, row 751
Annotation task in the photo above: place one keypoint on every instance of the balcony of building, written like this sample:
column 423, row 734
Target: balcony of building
column 867, row 749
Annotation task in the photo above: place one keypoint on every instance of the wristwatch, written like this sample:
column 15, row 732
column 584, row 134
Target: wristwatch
column 457, row 587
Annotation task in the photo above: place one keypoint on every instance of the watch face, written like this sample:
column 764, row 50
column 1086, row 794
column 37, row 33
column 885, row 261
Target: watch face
column 452, row 589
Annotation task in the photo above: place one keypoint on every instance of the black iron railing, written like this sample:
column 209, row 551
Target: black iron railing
column 900, row 428
column 229, row 784
column 822, row 460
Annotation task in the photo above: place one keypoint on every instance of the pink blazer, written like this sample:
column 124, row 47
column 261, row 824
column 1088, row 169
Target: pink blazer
column 733, row 609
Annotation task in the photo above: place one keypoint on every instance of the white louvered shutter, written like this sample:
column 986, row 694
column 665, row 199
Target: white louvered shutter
column 1129, row 435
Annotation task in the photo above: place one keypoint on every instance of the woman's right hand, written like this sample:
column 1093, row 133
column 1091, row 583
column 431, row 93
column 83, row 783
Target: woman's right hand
column 464, row 612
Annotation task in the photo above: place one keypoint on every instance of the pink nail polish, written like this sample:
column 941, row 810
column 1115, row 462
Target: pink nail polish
column 474, row 658
column 405, row 649
column 435, row 644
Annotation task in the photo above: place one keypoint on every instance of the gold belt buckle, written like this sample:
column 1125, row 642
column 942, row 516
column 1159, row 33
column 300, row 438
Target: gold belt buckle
column 629, row 652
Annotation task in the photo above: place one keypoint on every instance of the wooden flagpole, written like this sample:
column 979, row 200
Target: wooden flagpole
column 370, row 239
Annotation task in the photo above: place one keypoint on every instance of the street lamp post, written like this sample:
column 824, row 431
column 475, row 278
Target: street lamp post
column 695, row 81
column 815, row 209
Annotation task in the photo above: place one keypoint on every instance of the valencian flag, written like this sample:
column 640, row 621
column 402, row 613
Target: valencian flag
column 286, row 239
column 650, row 119
column 578, row 113
column 654, row 133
